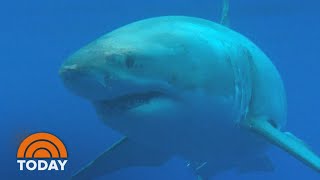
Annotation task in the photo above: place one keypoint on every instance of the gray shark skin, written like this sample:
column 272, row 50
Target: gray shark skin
column 187, row 87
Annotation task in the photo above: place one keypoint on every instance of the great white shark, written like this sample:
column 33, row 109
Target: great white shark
column 187, row 87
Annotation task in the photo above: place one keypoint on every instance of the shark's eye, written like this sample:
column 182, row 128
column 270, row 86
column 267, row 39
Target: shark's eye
column 129, row 62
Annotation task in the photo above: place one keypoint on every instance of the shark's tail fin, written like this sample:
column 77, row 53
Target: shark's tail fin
column 225, row 13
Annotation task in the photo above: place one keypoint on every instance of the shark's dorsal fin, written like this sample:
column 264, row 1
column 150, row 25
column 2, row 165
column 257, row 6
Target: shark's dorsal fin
column 285, row 140
column 225, row 13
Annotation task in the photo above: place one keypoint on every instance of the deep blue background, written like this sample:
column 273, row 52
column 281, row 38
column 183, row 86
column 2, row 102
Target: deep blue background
column 36, row 37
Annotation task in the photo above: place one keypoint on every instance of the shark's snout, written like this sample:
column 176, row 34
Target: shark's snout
column 83, row 82
column 118, row 70
column 69, row 72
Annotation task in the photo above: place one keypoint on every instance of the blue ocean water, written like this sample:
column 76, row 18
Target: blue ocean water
column 37, row 36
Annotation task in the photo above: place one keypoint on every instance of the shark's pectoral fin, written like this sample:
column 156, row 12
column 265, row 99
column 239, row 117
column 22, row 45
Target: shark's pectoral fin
column 125, row 153
column 263, row 164
column 286, row 141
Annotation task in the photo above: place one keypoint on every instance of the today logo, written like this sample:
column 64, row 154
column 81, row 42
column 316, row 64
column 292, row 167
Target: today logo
column 42, row 151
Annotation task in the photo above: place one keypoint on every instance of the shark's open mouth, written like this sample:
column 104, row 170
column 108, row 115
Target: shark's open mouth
column 130, row 101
